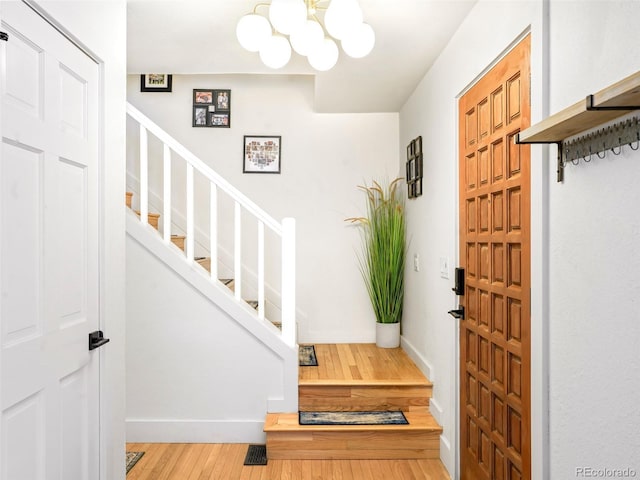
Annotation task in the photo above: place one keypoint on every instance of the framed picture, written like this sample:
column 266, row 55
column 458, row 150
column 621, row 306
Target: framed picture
column 216, row 105
column 261, row 154
column 219, row 119
column 155, row 82
column 414, row 168
column 200, row 116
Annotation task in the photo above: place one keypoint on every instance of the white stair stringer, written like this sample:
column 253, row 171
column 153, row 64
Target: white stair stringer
column 217, row 293
column 225, row 258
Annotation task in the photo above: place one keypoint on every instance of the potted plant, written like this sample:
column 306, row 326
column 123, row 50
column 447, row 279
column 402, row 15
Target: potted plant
column 383, row 256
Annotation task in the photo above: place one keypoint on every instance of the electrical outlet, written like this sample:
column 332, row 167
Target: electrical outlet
column 416, row 262
column 444, row 267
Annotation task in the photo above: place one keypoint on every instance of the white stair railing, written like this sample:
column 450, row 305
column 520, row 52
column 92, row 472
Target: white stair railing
column 284, row 231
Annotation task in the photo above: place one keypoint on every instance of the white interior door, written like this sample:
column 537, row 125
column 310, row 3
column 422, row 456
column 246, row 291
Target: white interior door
column 49, row 219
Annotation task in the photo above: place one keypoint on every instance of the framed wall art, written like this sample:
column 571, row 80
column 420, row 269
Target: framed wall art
column 414, row 168
column 261, row 154
column 155, row 82
column 211, row 108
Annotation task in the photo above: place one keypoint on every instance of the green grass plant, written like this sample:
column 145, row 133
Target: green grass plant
column 384, row 248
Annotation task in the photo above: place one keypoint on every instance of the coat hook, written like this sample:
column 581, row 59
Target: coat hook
column 604, row 151
column 613, row 149
column 637, row 142
column 587, row 160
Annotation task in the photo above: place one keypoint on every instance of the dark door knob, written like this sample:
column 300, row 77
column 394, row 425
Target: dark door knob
column 459, row 313
column 96, row 339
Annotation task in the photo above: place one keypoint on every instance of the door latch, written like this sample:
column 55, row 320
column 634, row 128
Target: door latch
column 459, row 285
column 459, row 313
column 4, row 36
column 96, row 339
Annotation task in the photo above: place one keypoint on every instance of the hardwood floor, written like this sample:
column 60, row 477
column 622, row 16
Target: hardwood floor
column 352, row 375
column 179, row 461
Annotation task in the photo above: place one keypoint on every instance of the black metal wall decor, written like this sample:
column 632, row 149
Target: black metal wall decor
column 414, row 168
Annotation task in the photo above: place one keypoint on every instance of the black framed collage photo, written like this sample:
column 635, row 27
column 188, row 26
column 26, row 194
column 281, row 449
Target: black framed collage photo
column 211, row 108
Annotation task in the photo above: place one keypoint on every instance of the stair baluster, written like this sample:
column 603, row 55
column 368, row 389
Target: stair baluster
column 213, row 229
column 166, row 213
column 260, row 270
column 144, row 175
column 191, row 228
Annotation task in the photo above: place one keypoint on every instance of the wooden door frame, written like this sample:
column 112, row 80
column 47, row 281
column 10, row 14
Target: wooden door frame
column 541, row 179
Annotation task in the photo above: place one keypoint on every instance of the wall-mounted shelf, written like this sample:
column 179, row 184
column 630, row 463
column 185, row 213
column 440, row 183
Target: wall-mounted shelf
column 601, row 107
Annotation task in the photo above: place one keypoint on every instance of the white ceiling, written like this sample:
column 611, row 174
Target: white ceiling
column 198, row 36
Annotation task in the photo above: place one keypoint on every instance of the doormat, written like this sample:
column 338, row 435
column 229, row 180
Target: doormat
column 132, row 459
column 307, row 356
column 352, row 418
column 256, row 455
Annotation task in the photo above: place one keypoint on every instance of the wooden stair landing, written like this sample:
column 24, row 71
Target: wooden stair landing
column 358, row 377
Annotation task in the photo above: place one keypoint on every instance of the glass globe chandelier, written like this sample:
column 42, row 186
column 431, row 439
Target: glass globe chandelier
column 295, row 24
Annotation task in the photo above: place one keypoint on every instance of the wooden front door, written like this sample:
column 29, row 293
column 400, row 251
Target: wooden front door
column 495, row 253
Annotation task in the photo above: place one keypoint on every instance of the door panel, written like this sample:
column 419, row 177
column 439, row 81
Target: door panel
column 49, row 258
column 495, row 252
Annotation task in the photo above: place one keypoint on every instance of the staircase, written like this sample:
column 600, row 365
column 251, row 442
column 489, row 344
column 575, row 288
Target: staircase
column 358, row 377
column 173, row 157
column 220, row 242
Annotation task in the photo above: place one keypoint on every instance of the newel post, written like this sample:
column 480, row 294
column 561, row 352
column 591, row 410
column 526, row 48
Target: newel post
column 289, row 281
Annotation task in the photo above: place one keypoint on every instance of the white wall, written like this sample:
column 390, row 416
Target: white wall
column 101, row 27
column 324, row 158
column 594, row 255
column 194, row 374
column 584, row 236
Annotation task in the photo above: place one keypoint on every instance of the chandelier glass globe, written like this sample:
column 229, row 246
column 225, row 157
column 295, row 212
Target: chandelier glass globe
column 341, row 17
column 252, row 30
column 325, row 56
column 275, row 52
column 359, row 42
column 307, row 37
column 287, row 15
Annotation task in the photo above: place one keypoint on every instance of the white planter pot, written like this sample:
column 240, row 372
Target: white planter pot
column 388, row 335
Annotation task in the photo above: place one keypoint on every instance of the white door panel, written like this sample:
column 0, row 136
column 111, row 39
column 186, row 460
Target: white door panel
column 49, row 274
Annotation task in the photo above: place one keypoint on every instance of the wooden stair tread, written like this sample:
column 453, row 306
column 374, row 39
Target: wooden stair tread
column 205, row 262
column 288, row 422
column 362, row 363
column 150, row 214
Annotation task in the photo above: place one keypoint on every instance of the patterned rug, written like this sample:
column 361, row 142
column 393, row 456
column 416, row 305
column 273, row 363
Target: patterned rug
column 352, row 418
column 132, row 459
column 307, row 356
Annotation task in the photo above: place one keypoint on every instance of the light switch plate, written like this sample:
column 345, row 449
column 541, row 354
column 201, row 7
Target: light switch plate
column 444, row 267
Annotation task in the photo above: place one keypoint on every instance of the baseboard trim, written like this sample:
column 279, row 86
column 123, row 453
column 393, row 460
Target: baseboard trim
column 436, row 410
column 447, row 456
column 195, row 431
column 420, row 361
